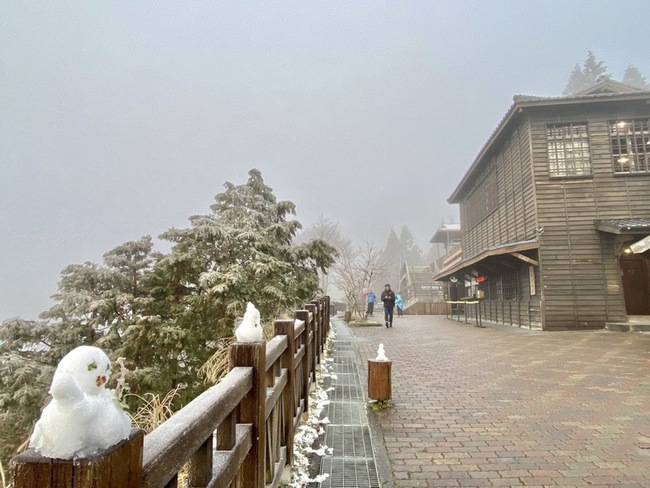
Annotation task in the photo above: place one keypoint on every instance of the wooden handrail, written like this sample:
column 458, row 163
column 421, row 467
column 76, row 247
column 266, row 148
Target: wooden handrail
column 188, row 428
column 240, row 430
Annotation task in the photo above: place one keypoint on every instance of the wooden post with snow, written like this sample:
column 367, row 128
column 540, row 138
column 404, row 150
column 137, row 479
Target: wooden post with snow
column 252, row 409
column 120, row 465
column 379, row 380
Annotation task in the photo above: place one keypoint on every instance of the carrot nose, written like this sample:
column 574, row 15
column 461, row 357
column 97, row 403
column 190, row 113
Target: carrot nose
column 100, row 380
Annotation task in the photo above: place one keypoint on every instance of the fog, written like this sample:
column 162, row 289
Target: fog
column 121, row 119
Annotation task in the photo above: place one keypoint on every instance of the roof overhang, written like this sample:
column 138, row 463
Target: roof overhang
column 623, row 226
column 513, row 248
column 446, row 233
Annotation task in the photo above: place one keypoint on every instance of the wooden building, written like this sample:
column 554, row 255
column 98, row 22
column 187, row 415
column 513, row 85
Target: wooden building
column 555, row 212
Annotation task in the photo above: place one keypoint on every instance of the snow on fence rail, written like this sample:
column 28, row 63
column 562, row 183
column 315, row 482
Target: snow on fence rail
column 238, row 433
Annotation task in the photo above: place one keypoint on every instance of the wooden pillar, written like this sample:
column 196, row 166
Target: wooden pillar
column 252, row 409
column 315, row 351
column 305, row 365
column 379, row 380
column 120, row 465
column 328, row 312
column 287, row 327
column 318, row 319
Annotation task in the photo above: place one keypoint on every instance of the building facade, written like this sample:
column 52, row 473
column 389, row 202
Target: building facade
column 555, row 211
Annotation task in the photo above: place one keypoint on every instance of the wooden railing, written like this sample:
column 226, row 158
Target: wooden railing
column 238, row 433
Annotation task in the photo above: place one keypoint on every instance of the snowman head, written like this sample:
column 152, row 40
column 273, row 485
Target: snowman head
column 88, row 366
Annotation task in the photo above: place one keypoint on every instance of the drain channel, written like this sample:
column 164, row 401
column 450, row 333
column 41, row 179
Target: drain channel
column 352, row 462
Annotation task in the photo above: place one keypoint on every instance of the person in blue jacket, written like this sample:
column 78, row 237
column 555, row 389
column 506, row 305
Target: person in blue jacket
column 399, row 305
column 370, row 298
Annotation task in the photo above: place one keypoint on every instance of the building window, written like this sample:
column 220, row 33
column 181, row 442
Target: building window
column 630, row 141
column 568, row 150
column 502, row 287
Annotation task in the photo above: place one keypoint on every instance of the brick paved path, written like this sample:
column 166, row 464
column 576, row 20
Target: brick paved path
column 502, row 406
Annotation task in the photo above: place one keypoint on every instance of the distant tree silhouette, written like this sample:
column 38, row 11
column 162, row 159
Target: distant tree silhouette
column 592, row 72
column 633, row 76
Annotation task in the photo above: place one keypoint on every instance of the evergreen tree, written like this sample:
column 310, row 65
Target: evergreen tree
column 577, row 81
column 633, row 76
column 166, row 314
column 592, row 72
column 392, row 258
column 411, row 252
column 96, row 305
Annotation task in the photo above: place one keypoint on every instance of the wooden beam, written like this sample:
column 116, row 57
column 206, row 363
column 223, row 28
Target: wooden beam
column 525, row 258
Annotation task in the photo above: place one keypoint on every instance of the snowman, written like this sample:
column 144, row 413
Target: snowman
column 84, row 416
column 381, row 354
column 250, row 329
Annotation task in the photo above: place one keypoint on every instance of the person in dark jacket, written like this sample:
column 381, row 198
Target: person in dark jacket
column 388, row 297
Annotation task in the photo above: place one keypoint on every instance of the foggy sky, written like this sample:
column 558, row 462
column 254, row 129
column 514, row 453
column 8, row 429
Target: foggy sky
column 121, row 119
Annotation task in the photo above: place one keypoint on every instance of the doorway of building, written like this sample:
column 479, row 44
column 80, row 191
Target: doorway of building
column 634, row 276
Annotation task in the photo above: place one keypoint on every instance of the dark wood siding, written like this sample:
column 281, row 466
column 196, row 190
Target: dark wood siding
column 580, row 273
column 500, row 206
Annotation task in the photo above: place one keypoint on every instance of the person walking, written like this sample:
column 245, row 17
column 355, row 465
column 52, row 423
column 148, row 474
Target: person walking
column 370, row 297
column 399, row 304
column 388, row 297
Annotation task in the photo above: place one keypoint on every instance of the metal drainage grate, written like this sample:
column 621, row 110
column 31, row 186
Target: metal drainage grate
column 350, row 441
column 340, row 413
column 347, row 357
column 346, row 393
column 344, row 368
column 350, row 473
column 348, row 379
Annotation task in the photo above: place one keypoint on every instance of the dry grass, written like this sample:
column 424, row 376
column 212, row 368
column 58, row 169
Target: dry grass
column 154, row 410
column 218, row 365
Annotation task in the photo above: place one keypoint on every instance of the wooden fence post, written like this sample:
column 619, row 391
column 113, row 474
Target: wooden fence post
column 327, row 304
column 120, row 465
column 252, row 409
column 315, row 350
column 287, row 327
column 305, row 369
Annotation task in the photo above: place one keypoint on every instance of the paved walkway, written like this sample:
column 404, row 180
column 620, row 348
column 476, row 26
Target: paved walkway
column 501, row 406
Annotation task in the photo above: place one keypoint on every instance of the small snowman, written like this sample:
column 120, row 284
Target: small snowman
column 250, row 329
column 84, row 416
column 381, row 355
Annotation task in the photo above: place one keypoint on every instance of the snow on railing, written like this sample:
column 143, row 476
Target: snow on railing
column 239, row 432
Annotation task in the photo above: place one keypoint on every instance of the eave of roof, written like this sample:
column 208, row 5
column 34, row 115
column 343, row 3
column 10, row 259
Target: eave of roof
column 495, row 251
column 623, row 226
column 522, row 103
column 443, row 233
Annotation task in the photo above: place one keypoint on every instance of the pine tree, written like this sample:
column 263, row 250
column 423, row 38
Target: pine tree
column 393, row 258
column 577, row 81
column 592, row 72
column 633, row 76
column 166, row 314
column 411, row 252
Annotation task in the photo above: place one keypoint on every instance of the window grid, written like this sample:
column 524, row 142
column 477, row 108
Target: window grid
column 630, row 143
column 568, row 150
column 502, row 287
